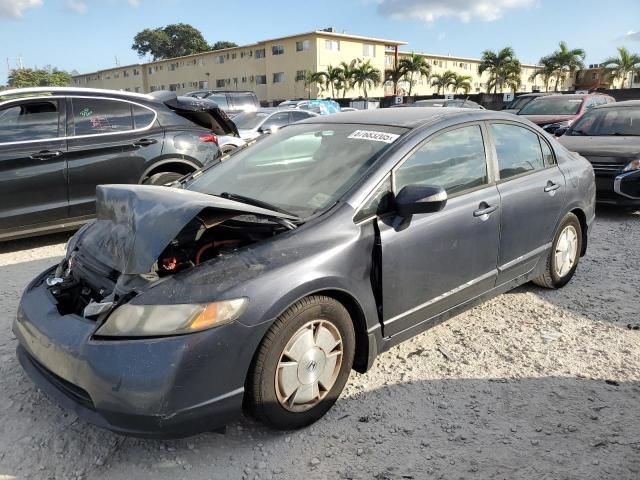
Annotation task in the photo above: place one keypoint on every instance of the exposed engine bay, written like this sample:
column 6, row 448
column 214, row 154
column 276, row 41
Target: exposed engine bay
column 81, row 280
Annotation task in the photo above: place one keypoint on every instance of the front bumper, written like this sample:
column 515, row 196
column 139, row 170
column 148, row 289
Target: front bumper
column 618, row 188
column 161, row 387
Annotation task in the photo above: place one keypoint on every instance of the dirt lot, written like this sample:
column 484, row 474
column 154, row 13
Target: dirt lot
column 534, row 384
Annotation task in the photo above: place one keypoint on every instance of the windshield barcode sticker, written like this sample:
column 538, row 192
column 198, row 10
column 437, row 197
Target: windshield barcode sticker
column 374, row 136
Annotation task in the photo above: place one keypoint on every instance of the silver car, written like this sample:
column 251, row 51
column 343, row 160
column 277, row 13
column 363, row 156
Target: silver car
column 251, row 125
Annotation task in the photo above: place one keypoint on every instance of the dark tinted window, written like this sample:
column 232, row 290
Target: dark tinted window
column 142, row 117
column 518, row 149
column 96, row 115
column 277, row 120
column 620, row 121
column 553, row 105
column 454, row 160
column 29, row 121
column 220, row 99
column 380, row 202
column 296, row 116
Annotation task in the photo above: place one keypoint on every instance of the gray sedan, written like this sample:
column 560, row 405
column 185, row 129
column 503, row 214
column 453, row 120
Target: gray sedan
column 251, row 125
column 262, row 282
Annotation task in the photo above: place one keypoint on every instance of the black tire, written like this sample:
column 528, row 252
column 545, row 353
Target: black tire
column 550, row 278
column 261, row 398
column 162, row 178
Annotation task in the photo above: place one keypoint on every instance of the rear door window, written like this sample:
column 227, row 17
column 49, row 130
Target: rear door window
column 98, row 115
column 31, row 120
column 518, row 150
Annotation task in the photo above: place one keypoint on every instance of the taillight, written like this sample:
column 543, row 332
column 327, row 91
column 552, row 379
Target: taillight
column 209, row 137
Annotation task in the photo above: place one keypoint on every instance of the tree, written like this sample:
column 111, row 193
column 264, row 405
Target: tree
column 395, row 75
column 175, row 40
column 546, row 70
column 314, row 78
column 45, row 77
column 346, row 73
column 625, row 64
column 334, row 79
column 365, row 75
column 567, row 61
column 220, row 44
column 442, row 81
column 502, row 66
column 415, row 65
column 461, row 82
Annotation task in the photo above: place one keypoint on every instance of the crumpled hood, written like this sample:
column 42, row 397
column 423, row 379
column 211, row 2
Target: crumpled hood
column 135, row 223
column 609, row 146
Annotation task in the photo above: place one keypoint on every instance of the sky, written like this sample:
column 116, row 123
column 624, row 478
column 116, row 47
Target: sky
column 88, row 35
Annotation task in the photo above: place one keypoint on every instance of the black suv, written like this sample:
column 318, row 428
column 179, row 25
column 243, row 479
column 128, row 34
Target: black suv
column 57, row 144
column 232, row 102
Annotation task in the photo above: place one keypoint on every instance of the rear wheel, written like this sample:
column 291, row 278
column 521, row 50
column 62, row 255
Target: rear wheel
column 302, row 364
column 162, row 178
column 564, row 255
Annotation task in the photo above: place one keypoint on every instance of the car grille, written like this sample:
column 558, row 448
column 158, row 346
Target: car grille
column 603, row 167
column 73, row 391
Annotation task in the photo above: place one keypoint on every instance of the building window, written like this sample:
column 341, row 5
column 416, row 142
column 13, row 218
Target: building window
column 303, row 45
column 261, row 79
column 201, row 62
column 389, row 60
column 219, row 59
column 260, row 53
column 151, row 70
column 233, row 56
column 301, row 75
column 332, row 45
column 368, row 50
column 125, row 74
column 278, row 77
column 220, row 83
column 277, row 49
column 136, row 72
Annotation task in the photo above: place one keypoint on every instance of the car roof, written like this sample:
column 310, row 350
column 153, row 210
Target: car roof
column 626, row 103
column 408, row 117
column 535, row 94
column 18, row 92
column 572, row 95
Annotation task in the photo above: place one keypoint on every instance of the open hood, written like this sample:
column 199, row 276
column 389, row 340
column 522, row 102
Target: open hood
column 200, row 111
column 135, row 223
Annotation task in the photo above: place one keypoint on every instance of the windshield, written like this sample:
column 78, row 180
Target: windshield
column 249, row 120
column 608, row 121
column 552, row 106
column 303, row 169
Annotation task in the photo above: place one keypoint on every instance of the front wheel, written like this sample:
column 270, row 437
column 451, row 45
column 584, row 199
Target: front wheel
column 302, row 364
column 162, row 178
column 564, row 255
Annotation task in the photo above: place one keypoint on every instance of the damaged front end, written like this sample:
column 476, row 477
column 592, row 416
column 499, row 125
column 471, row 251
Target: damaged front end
column 144, row 234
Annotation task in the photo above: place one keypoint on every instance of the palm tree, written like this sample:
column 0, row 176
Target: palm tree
column 502, row 67
column 346, row 77
column 461, row 82
column 314, row 78
column 395, row 75
column 567, row 61
column 415, row 65
column 442, row 81
column 547, row 70
column 365, row 75
column 621, row 66
column 333, row 77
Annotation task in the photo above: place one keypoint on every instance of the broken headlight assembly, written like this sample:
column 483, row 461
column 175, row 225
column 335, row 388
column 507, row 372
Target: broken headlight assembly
column 632, row 166
column 161, row 320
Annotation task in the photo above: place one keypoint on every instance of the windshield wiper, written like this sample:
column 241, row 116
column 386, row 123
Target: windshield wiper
column 256, row 203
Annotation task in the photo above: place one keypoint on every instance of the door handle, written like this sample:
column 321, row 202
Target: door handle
column 551, row 187
column 145, row 142
column 485, row 209
column 45, row 155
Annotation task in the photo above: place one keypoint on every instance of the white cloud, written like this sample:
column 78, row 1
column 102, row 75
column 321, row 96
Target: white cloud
column 135, row 3
column 632, row 35
column 466, row 10
column 77, row 6
column 15, row 8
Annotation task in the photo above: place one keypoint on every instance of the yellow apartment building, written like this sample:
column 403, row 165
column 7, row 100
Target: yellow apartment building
column 275, row 69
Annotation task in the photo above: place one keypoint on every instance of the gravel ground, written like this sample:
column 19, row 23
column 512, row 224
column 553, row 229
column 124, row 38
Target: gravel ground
column 534, row 384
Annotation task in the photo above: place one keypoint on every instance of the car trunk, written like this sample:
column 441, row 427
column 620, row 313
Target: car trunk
column 144, row 233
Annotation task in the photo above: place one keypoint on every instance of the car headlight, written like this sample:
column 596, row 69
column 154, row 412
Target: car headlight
column 632, row 165
column 158, row 320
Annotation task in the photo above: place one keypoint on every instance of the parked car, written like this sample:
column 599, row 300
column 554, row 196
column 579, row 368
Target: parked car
column 251, row 125
column 560, row 111
column 57, row 144
column 321, row 107
column 348, row 109
column 609, row 137
column 455, row 102
column 520, row 101
column 232, row 102
column 230, row 143
column 266, row 279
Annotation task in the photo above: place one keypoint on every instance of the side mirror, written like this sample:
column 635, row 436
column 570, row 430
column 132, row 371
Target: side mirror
column 264, row 131
column 560, row 131
column 414, row 199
